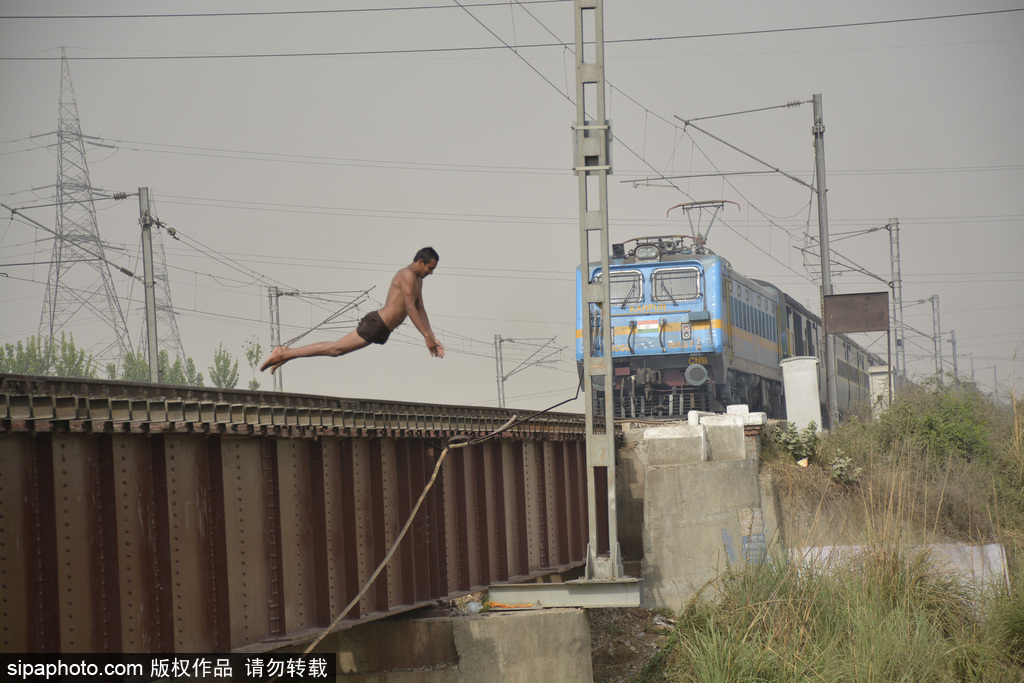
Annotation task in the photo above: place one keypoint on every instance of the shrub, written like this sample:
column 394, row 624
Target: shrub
column 797, row 444
column 939, row 423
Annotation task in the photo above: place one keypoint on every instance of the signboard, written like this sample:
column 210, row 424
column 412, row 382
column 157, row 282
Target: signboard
column 857, row 312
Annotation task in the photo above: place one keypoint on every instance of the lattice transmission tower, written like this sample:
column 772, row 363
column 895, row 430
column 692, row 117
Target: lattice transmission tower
column 80, row 289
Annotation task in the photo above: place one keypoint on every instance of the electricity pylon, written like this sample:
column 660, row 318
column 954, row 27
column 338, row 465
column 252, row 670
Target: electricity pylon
column 80, row 288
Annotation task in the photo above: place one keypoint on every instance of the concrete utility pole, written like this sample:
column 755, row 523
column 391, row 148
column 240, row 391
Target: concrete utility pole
column 146, row 220
column 956, row 371
column 274, row 294
column 818, row 129
column 937, row 336
column 498, row 367
column 897, row 298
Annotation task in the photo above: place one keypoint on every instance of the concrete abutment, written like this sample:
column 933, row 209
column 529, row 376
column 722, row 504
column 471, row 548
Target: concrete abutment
column 526, row 646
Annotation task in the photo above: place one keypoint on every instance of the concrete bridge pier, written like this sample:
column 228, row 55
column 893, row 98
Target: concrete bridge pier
column 691, row 501
column 526, row 646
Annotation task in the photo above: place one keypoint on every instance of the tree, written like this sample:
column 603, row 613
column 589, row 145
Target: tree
column 253, row 354
column 222, row 374
column 179, row 373
column 25, row 359
column 135, row 368
column 40, row 356
column 70, row 361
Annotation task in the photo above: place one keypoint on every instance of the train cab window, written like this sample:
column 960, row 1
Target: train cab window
column 626, row 287
column 675, row 284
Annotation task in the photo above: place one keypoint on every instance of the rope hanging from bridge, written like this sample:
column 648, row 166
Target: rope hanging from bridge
column 454, row 442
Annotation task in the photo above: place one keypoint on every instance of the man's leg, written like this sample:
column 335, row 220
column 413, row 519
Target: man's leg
column 282, row 354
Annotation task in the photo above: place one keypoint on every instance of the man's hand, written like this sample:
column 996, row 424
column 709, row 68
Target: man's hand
column 435, row 347
column 274, row 360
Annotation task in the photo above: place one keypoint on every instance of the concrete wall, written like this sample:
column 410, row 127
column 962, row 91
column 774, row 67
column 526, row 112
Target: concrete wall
column 540, row 645
column 695, row 487
column 529, row 646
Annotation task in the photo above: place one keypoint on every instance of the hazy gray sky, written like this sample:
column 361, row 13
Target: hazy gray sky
column 317, row 151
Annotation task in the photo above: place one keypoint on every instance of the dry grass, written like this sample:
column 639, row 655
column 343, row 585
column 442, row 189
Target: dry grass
column 889, row 612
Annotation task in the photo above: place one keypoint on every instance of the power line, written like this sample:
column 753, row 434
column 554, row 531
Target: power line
column 97, row 257
column 192, row 15
column 503, row 46
column 271, row 157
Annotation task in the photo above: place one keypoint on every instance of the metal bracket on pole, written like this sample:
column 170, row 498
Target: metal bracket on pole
column 587, row 593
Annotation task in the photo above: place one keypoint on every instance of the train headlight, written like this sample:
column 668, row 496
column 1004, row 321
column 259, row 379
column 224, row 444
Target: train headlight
column 696, row 375
column 647, row 252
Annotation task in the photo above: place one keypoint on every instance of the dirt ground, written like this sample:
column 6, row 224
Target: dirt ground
column 623, row 640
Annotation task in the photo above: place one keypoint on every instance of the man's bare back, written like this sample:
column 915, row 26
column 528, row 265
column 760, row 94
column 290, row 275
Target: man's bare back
column 404, row 300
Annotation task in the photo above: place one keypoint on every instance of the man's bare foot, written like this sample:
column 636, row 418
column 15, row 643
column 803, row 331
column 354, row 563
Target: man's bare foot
column 274, row 360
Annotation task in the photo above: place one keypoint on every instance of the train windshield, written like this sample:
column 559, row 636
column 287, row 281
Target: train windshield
column 626, row 287
column 675, row 284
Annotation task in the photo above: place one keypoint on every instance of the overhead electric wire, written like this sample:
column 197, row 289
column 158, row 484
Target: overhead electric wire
column 246, row 155
column 788, row 105
column 99, row 257
column 185, row 238
column 630, row 149
column 564, row 46
column 515, row 50
column 344, row 309
column 749, row 203
column 688, row 123
column 359, row 53
column 353, row 10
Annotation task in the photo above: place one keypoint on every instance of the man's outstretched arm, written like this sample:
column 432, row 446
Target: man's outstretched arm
column 412, row 293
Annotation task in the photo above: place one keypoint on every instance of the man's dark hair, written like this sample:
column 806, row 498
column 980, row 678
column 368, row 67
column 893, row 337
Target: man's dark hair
column 426, row 254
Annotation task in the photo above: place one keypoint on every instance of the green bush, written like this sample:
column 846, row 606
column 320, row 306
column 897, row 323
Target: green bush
column 787, row 439
column 939, row 423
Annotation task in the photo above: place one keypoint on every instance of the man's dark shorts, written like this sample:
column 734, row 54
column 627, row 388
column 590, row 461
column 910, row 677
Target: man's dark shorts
column 372, row 328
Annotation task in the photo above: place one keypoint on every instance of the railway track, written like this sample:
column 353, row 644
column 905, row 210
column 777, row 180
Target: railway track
column 32, row 403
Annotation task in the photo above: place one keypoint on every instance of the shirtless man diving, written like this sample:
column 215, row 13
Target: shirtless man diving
column 405, row 298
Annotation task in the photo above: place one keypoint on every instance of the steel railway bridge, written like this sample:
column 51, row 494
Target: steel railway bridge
column 156, row 518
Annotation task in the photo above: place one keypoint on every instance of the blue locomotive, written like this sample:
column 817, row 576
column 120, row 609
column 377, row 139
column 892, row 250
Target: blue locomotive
column 691, row 333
